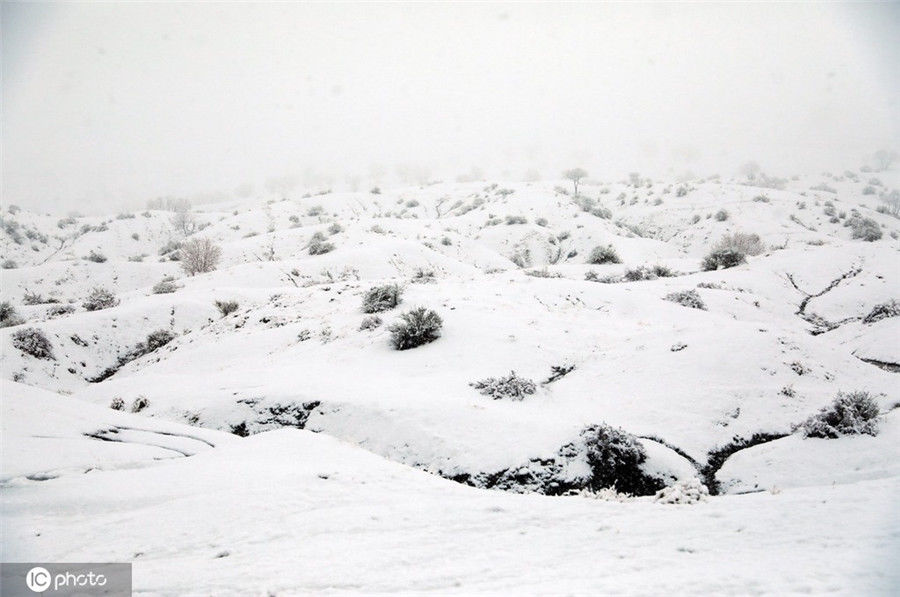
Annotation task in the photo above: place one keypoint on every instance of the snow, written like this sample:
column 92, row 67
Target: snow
column 358, row 500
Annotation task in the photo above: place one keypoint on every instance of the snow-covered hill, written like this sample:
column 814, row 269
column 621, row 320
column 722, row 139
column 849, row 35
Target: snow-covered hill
column 714, row 393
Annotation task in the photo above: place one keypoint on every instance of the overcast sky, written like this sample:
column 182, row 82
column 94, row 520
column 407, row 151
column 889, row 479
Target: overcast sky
column 111, row 104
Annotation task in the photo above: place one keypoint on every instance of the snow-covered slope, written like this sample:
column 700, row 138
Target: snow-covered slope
column 714, row 392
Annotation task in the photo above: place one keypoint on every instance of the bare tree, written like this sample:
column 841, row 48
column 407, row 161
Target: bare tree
column 199, row 255
column 184, row 221
column 883, row 159
column 751, row 170
column 575, row 175
column 892, row 201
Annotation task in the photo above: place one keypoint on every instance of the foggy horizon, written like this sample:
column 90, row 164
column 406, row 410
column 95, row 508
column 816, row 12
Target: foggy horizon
column 109, row 105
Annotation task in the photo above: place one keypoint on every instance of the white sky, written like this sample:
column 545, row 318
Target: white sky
column 113, row 103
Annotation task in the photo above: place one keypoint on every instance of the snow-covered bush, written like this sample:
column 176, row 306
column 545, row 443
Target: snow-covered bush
column 865, row 228
column 117, row 404
column 226, row 308
column 741, row 242
column 542, row 222
column 850, row 414
column 8, row 315
column 381, row 298
column 615, row 458
column 423, row 276
column 722, row 259
column 171, row 249
column 99, row 298
column 96, row 257
column 721, row 215
column 513, row 220
column 370, row 323
column 687, row 298
column 335, row 229
column 644, row 272
column 32, row 341
column 139, row 404
column 418, row 326
column 684, row 492
column 600, row 255
column 883, row 311
column 165, row 286
column 320, row 247
column 199, row 256
column 512, row 387
column 155, row 340
column 9, row 264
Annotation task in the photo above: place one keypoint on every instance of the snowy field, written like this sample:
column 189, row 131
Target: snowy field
column 278, row 446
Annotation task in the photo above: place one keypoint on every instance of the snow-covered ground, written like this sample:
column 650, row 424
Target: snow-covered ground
column 213, row 489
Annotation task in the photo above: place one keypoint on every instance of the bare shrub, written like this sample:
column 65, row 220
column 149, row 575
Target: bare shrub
column 199, row 256
column 741, row 242
column 226, row 308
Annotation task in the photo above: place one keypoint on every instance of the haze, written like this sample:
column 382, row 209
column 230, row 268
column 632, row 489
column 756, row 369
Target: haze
column 108, row 105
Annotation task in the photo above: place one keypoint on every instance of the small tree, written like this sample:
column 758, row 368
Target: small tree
column 575, row 175
column 883, row 159
column 892, row 202
column 183, row 220
column 199, row 256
